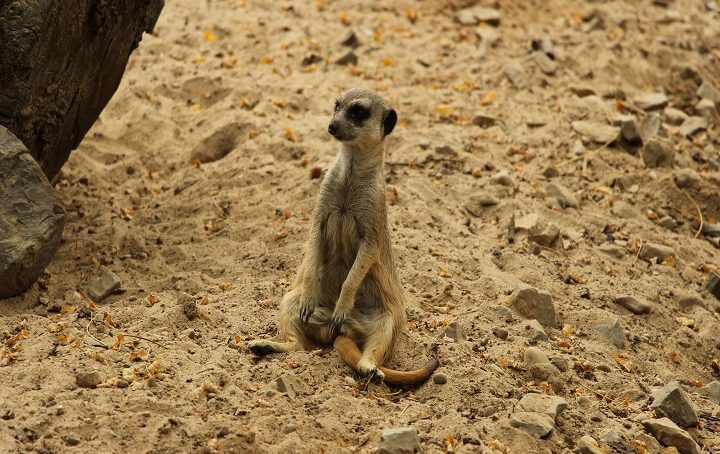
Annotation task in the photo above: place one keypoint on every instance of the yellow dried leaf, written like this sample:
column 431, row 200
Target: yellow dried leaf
column 22, row 334
column 685, row 321
column 97, row 356
column 156, row 369
column 199, row 59
column 139, row 355
column 279, row 102
column 63, row 339
column 444, row 110
column 567, row 330
column 229, row 62
column 56, row 327
column 209, row 35
column 66, row 308
column 208, row 388
column 388, row 61
column 290, row 135
column 119, row 337
column 109, row 321
column 412, row 15
column 319, row 5
column 197, row 107
column 489, row 98
column 345, row 18
column 226, row 286
column 150, row 300
column 669, row 261
column 266, row 59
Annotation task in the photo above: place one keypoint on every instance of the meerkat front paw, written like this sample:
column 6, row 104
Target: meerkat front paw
column 261, row 348
column 370, row 370
column 338, row 319
column 307, row 307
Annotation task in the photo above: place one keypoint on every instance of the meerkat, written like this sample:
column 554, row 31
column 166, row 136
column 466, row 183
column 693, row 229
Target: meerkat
column 347, row 291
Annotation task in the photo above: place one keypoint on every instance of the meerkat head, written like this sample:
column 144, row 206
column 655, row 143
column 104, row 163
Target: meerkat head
column 361, row 117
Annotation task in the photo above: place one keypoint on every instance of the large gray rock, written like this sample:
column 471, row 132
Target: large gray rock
column 669, row 434
column 32, row 217
column 672, row 402
column 60, row 63
column 532, row 304
column 402, row 440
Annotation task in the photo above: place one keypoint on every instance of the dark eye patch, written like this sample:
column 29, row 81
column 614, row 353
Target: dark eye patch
column 358, row 113
column 337, row 105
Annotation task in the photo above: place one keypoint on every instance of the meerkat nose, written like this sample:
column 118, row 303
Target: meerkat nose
column 332, row 129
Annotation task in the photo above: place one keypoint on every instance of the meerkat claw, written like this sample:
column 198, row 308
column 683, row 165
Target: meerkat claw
column 336, row 323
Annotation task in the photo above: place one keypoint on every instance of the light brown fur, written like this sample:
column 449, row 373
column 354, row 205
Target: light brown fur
column 347, row 285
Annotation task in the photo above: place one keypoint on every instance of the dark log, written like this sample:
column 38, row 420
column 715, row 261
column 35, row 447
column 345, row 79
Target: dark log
column 60, row 63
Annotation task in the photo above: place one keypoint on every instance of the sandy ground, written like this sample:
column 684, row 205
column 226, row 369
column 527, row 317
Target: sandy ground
column 225, row 82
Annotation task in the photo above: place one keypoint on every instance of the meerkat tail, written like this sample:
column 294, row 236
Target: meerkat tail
column 350, row 352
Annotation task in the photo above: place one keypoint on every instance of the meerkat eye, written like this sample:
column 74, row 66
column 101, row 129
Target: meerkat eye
column 337, row 105
column 358, row 112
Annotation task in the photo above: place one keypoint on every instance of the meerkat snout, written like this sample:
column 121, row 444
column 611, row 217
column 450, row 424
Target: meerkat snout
column 361, row 116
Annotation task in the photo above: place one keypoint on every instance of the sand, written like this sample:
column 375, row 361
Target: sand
column 194, row 188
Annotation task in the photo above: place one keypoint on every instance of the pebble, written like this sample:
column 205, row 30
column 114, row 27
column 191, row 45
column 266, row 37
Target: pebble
column 72, row 439
column 650, row 126
column 350, row 381
column 502, row 333
column 543, row 403
column 711, row 390
column 285, row 384
column 348, row 58
column 536, row 331
column 439, row 378
column 674, row 116
column 670, row 401
column 506, row 314
column 658, row 251
column 289, row 428
column 349, row 39
column 551, row 172
column 484, row 120
column 650, row 101
column 533, row 304
column 424, row 144
column 456, row 332
column 689, row 300
column 224, row 431
column 613, row 251
column 613, row 332
column 693, row 125
column 502, row 178
column 588, row 445
column 402, row 440
column 712, row 285
column 629, row 128
column 478, row 203
column 597, row 132
column 667, row 222
column 707, row 91
column 563, row 195
column 624, row 210
column 686, row 178
column 516, row 75
column 88, row 379
column 445, row 150
column 658, row 152
column 546, row 64
column 706, row 109
column 544, row 45
column 103, row 285
column 633, row 304
column 189, row 307
column 534, row 355
column 668, row 433
column 611, row 437
column 536, row 424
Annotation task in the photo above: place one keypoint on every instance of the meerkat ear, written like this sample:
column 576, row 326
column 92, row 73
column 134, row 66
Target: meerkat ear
column 389, row 122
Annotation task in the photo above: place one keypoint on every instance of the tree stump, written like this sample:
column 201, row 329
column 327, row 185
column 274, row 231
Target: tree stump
column 60, row 63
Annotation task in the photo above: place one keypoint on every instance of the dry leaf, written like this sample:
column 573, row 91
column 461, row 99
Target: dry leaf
column 56, row 327
column 119, row 338
column 209, row 35
column 199, row 59
column 197, row 107
column 489, row 98
column 266, row 59
column 279, row 102
column 97, row 356
column 150, row 300
column 66, row 308
column 388, row 61
column 444, row 110
column 345, row 18
column 226, row 286
column 139, row 355
column 567, row 330
column 412, row 15
column 669, row 261
column 290, row 135
column 208, row 388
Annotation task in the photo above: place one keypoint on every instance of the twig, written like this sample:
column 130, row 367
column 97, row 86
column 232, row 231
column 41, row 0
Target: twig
column 403, row 410
column 87, row 330
column 638, row 252
column 697, row 207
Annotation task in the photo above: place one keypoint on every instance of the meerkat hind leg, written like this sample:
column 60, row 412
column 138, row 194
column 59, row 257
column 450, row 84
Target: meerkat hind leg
column 378, row 343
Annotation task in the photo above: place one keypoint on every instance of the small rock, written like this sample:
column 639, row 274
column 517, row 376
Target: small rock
column 544, row 45
column 350, row 381
column 546, row 64
column 563, row 195
column 538, row 230
column 399, row 441
column 477, row 203
column 651, row 444
column 613, row 332
column 668, row 433
column 613, row 251
column 502, row 333
column 712, row 285
column 693, row 125
column 649, row 126
column 588, row 445
column 711, row 229
column 286, row 384
column 629, row 128
column 597, row 132
column 349, row 39
column 707, row 91
column 712, row 390
column 686, row 178
column 671, row 401
column 506, row 314
column 424, row 143
column 88, row 379
column 534, row 355
column 445, row 150
column 547, row 372
column 581, row 91
column 658, row 251
column 484, row 120
column 543, row 403
column 516, row 75
column 348, row 58
column 551, row 172
column 502, row 178
column 289, row 428
column 456, row 332
column 658, row 152
column 476, row 15
column 72, row 439
column 611, row 437
column 466, row 17
column 624, row 210
column 224, row 431
column 102, row 285
column 536, row 331
column 530, row 303
column 633, row 304
column 561, row 363
column 650, row 101
column 674, row 116
column 706, row 109
column 667, row 222
column 536, row 424
column 188, row 305
column 439, row 378
column 689, row 300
